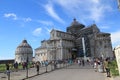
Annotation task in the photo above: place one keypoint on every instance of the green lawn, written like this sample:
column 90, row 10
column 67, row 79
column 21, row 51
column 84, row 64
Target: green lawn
column 3, row 67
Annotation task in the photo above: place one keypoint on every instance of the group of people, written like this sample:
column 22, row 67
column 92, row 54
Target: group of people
column 102, row 66
column 81, row 62
column 99, row 65
column 53, row 63
column 15, row 66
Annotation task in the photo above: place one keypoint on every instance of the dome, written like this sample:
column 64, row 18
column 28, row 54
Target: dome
column 24, row 48
column 75, row 27
column 75, row 22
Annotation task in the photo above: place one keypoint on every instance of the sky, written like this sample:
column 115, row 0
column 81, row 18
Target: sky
column 34, row 19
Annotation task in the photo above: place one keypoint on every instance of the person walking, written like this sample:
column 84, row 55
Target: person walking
column 7, row 67
column 37, row 67
column 83, row 63
column 95, row 66
column 107, row 68
column 16, row 66
column 79, row 62
column 23, row 65
column 8, row 70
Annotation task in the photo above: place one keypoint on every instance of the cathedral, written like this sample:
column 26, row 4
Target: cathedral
column 77, row 41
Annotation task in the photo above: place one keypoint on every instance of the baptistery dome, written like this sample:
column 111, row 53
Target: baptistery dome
column 23, row 51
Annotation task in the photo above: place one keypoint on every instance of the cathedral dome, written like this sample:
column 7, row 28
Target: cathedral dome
column 24, row 48
column 75, row 22
column 75, row 27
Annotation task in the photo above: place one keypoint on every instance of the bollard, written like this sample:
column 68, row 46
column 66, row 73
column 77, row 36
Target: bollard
column 51, row 67
column 27, row 72
column 37, row 67
column 55, row 66
column 46, row 68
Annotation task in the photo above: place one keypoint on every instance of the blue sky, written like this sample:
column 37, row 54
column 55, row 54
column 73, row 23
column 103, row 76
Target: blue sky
column 33, row 20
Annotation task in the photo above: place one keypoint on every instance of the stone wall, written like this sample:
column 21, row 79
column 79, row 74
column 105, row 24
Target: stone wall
column 117, row 55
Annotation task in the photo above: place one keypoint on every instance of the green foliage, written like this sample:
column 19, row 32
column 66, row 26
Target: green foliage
column 3, row 67
column 114, row 68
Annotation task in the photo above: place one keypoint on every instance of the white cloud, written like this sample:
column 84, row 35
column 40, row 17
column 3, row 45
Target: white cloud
column 98, row 10
column 12, row 15
column 115, row 38
column 37, row 32
column 96, row 13
column 49, row 8
column 69, row 6
column 15, row 17
column 71, row 3
column 95, row 1
column 85, row 9
column 27, row 19
column 48, row 23
column 49, row 30
column 104, row 27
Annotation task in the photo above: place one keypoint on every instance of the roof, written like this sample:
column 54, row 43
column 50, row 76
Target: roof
column 75, row 22
column 103, row 33
column 24, row 44
column 24, row 47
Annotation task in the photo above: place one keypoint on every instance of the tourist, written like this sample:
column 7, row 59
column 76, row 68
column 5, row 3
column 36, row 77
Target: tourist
column 7, row 67
column 37, row 67
column 26, row 65
column 23, row 65
column 106, row 65
column 95, row 66
column 55, row 64
column 46, row 63
column 79, row 62
column 16, row 66
column 88, row 61
column 100, row 66
column 83, row 63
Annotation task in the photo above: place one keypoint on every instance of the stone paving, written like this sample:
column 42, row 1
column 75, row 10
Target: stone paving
column 73, row 72
column 116, row 78
column 21, row 74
